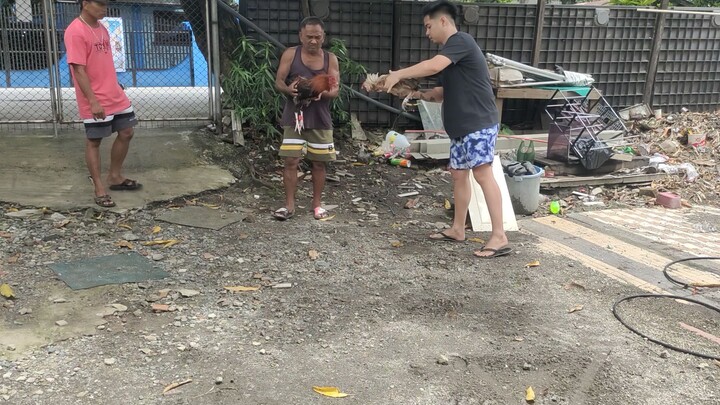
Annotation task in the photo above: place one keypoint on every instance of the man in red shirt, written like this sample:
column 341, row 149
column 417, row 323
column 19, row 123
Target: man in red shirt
column 103, row 105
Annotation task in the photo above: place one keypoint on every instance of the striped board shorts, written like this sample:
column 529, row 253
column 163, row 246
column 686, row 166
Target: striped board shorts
column 98, row 129
column 317, row 144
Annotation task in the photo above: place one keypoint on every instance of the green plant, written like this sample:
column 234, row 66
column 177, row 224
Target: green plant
column 249, row 88
column 351, row 72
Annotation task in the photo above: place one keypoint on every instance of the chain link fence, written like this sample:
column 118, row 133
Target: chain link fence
column 158, row 59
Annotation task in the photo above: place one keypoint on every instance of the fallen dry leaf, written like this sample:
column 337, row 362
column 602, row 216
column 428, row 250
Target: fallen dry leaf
column 243, row 236
column 476, row 240
column 535, row 263
column 166, row 242
column 124, row 244
column 156, row 229
column 313, row 254
column 6, row 291
column 6, row 235
column 13, row 259
column 211, row 206
column 241, row 288
column 175, row 385
column 126, row 226
column 332, row 392
column 576, row 308
column 529, row 394
column 447, row 204
column 396, row 244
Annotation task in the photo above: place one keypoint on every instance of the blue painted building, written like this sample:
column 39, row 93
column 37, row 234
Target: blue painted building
column 160, row 48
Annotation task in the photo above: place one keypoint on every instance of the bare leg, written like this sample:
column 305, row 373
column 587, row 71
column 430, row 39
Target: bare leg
column 318, row 179
column 461, row 194
column 92, row 159
column 117, row 155
column 290, row 181
column 484, row 176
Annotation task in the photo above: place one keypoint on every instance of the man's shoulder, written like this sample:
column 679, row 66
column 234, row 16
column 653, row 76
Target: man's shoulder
column 75, row 27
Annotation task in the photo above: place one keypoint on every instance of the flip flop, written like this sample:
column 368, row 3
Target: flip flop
column 503, row 251
column 283, row 214
column 322, row 214
column 444, row 237
column 126, row 185
column 104, row 201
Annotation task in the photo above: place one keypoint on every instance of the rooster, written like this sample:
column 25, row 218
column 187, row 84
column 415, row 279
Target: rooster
column 309, row 90
column 375, row 82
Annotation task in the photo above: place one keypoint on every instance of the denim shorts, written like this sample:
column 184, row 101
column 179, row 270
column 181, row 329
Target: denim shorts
column 473, row 150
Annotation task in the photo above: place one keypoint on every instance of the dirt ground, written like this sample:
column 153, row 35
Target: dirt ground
column 372, row 307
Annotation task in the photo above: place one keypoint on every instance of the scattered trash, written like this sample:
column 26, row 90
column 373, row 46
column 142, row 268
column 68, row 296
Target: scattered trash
column 534, row 263
column 313, row 254
column 6, row 291
column 529, row 395
column 576, row 308
column 332, row 392
column 174, row 385
column 241, row 288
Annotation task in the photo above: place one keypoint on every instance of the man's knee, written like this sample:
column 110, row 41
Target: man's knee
column 126, row 134
column 317, row 165
column 93, row 143
column 292, row 162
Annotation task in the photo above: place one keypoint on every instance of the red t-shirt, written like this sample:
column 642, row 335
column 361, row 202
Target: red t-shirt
column 90, row 47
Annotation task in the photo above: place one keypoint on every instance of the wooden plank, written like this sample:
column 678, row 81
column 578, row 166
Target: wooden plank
column 568, row 182
column 534, row 93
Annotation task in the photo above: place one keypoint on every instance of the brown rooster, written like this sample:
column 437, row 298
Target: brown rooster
column 375, row 82
column 309, row 90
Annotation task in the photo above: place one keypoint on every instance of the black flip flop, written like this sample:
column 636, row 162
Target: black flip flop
column 126, row 185
column 445, row 238
column 503, row 251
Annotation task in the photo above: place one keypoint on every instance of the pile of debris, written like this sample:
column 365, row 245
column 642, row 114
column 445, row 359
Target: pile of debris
column 687, row 147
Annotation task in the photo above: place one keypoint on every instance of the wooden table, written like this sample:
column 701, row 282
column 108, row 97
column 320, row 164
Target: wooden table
column 503, row 93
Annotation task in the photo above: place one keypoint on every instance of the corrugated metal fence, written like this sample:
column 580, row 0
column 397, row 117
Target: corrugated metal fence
column 615, row 52
column 165, row 70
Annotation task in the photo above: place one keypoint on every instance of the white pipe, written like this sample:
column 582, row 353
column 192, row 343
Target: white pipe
column 650, row 10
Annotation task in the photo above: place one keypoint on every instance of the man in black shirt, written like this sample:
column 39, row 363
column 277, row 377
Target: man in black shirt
column 469, row 116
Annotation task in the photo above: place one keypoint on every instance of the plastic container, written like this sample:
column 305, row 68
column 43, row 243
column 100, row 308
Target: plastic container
column 525, row 191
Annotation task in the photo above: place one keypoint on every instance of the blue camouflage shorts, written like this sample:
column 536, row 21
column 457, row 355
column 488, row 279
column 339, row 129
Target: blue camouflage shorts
column 473, row 150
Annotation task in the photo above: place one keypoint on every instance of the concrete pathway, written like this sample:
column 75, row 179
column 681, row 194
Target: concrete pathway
column 50, row 172
column 634, row 245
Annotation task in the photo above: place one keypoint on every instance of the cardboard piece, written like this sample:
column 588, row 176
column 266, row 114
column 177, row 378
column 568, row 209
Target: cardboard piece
column 479, row 215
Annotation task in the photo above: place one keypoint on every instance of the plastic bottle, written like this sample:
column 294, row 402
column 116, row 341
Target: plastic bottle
column 400, row 162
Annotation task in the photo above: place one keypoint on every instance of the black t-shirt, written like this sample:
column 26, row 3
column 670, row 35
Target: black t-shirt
column 468, row 99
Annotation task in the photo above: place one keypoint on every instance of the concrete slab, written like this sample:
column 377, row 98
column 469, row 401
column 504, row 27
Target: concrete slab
column 50, row 172
column 115, row 269
column 201, row 217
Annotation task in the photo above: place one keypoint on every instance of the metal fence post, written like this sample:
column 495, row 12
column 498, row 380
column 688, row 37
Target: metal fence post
column 5, row 45
column 655, row 55
column 214, row 54
column 537, row 40
column 47, row 5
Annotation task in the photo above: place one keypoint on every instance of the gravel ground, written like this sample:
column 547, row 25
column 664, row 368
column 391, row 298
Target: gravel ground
column 363, row 302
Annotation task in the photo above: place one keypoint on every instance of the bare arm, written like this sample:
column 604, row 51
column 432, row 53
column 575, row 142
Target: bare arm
column 333, row 70
column 283, row 72
column 423, row 69
column 83, row 82
column 435, row 94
